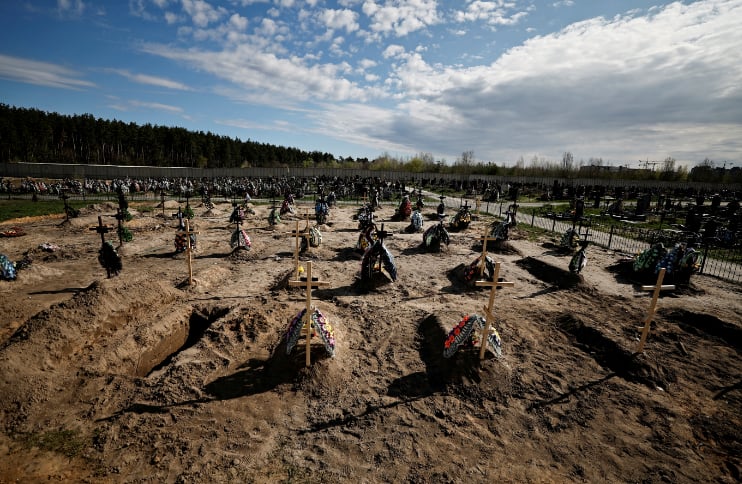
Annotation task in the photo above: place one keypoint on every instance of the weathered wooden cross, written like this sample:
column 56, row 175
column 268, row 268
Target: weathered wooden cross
column 489, row 316
column 101, row 229
column 483, row 258
column 653, row 306
column 308, row 283
column 298, row 235
column 187, row 232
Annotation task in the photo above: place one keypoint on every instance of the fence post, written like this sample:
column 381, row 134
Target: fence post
column 610, row 236
column 553, row 224
column 705, row 256
column 533, row 216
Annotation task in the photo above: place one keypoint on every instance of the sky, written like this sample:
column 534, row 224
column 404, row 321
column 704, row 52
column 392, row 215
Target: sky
column 625, row 81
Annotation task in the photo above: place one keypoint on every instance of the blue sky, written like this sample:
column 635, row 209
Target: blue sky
column 621, row 80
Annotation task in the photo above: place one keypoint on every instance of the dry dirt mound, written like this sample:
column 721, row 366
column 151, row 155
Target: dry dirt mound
column 146, row 377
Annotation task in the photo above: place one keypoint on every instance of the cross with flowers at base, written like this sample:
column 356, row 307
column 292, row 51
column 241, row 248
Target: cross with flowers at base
column 308, row 283
column 489, row 317
column 483, row 258
column 187, row 232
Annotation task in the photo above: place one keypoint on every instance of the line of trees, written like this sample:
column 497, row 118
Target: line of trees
column 31, row 135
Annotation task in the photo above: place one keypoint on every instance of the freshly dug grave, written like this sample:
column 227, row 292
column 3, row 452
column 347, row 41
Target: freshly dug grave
column 143, row 377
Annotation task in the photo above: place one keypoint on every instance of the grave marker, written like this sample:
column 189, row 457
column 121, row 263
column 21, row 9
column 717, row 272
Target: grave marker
column 297, row 236
column 188, row 232
column 483, row 258
column 653, row 306
column 308, row 283
column 489, row 316
column 101, row 229
column 64, row 198
column 123, row 233
column 107, row 255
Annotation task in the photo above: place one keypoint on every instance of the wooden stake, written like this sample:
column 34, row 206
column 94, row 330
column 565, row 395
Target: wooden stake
column 188, row 233
column 489, row 316
column 652, row 307
column 308, row 284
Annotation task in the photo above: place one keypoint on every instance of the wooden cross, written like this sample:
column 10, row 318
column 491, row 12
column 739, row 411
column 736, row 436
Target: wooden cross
column 653, row 306
column 101, row 229
column 187, row 234
column 382, row 234
column 308, row 283
column 64, row 198
column 478, row 204
column 120, row 217
column 298, row 235
column 489, row 316
column 162, row 201
column 482, row 260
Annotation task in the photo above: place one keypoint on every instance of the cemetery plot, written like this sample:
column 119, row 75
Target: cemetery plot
column 143, row 377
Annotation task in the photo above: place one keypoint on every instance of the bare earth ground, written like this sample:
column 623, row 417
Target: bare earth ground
column 141, row 378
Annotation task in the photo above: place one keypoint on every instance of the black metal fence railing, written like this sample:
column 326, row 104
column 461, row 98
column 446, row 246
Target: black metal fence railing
column 718, row 260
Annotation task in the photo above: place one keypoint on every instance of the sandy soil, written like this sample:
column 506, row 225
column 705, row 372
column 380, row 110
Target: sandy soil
column 143, row 378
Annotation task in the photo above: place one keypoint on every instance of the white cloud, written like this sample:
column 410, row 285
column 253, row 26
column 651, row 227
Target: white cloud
column 663, row 84
column 339, row 19
column 202, row 13
column 492, row 13
column 151, row 80
column 40, row 73
column 173, row 18
column 238, row 22
column 401, row 17
column 157, row 106
column 266, row 78
column 393, row 50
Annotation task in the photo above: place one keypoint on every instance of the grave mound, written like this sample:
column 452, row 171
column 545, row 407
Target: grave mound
column 463, row 373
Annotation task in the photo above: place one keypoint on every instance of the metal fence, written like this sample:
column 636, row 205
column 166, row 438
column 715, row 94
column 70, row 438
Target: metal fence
column 717, row 261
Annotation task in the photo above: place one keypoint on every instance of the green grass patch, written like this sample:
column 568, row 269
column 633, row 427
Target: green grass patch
column 10, row 209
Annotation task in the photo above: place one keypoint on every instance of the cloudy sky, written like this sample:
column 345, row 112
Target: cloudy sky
column 621, row 80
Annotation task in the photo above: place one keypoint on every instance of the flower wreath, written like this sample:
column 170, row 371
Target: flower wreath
column 321, row 326
column 472, row 270
column 240, row 239
column 465, row 334
column 315, row 236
